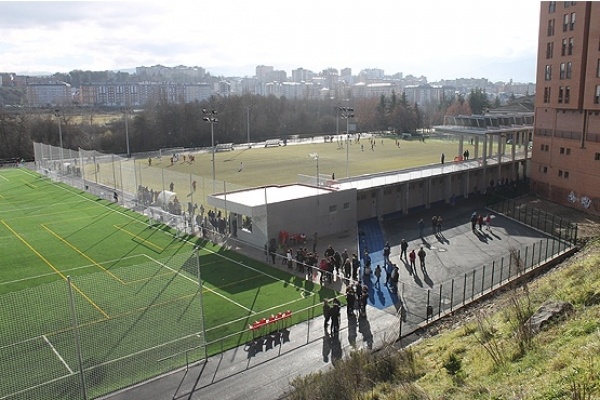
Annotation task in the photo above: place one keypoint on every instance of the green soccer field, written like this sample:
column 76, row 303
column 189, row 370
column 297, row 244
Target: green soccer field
column 79, row 273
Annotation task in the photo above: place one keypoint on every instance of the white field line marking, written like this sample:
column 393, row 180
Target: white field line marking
column 167, row 233
column 58, row 354
column 66, row 270
column 196, row 283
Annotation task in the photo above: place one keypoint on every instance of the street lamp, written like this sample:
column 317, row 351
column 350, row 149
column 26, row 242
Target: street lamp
column 347, row 113
column 248, row 108
column 126, row 111
column 212, row 119
column 57, row 114
column 315, row 156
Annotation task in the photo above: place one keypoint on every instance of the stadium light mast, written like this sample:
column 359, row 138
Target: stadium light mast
column 58, row 115
column 315, row 156
column 210, row 117
column 347, row 113
column 248, row 108
column 126, row 111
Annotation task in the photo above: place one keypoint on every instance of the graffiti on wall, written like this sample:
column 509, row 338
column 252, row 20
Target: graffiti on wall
column 585, row 201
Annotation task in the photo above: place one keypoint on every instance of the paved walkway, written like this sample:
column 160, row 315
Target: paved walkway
column 264, row 369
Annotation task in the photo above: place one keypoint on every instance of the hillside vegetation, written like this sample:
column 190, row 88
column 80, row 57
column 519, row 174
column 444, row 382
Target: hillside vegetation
column 488, row 351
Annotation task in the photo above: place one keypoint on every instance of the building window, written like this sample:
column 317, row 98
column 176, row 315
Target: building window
column 546, row 95
column 597, row 157
column 346, row 206
column 567, row 94
column 572, row 27
column 563, row 48
column 597, row 96
column 598, row 69
column 332, row 208
column 565, row 22
column 569, row 70
column 560, row 94
column 560, row 173
column 571, row 45
column 549, row 49
column 548, row 74
column 562, row 71
column 565, row 150
column 543, row 169
column 551, row 7
column 551, row 27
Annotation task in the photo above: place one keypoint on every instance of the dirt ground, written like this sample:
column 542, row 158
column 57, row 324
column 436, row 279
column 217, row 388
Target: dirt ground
column 588, row 225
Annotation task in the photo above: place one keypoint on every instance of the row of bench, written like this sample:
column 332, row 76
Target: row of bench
column 264, row 325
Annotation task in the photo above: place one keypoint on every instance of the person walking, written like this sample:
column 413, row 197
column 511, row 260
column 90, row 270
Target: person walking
column 326, row 315
column 480, row 221
column 386, row 253
column 350, row 301
column 334, row 312
column 377, row 274
column 422, row 256
column 442, row 158
column 488, row 222
column 412, row 256
column 403, row 249
column 473, row 221
column 439, row 224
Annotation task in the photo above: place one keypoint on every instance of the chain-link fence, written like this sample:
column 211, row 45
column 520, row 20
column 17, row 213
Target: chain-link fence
column 173, row 198
column 462, row 290
column 57, row 343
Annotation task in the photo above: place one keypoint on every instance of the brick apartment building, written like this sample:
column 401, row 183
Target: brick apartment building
column 565, row 164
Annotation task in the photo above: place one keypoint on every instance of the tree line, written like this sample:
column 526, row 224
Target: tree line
column 165, row 124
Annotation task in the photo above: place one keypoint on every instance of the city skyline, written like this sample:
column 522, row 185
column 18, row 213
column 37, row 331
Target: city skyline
column 460, row 39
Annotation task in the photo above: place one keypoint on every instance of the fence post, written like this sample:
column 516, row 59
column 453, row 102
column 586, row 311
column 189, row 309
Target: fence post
column 547, row 247
column 429, row 308
column 440, row 302
column 493, row 269
column 77, row 339
column 201, row 304
column 465, row 290
column 473, row 285
column 451, row 294
column 482, row 279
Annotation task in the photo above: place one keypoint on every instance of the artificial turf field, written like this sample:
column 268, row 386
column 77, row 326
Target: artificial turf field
column 134, row 290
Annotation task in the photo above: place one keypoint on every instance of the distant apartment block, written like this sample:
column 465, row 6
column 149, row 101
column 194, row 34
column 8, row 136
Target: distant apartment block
column 48, row 94
column 188, row 84
column 139, row 94
column 565, row 164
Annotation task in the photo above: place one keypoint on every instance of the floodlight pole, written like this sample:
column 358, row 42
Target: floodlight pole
column 248, row 108
column 77, row 338
column 57, row 114
column 210, row 118
column 126, row 112
column 347, row 113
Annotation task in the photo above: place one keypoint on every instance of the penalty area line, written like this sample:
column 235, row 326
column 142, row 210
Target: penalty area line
column 57, row 354
column 203, row 287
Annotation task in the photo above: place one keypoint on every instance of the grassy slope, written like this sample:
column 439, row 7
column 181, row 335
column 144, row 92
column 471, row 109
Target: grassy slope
column 561, row 359
column 561, row 362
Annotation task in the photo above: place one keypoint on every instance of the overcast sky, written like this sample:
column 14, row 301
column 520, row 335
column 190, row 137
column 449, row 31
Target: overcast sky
column 440, row 39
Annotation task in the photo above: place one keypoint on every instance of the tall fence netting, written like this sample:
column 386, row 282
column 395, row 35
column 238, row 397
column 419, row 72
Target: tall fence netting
column 142, row 327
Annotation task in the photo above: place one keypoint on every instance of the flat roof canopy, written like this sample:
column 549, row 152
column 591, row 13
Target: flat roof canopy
column 271, row 194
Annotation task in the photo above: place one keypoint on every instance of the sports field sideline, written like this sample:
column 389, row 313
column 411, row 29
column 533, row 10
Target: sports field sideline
column 133, row 288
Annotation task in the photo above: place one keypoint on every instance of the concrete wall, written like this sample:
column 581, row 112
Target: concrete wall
column 327, row 214
column 424, row 192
